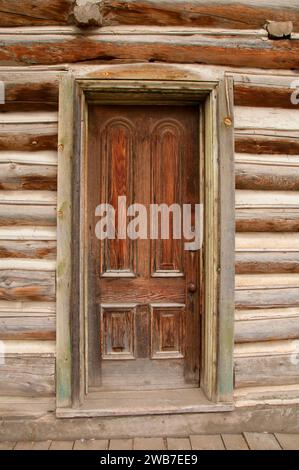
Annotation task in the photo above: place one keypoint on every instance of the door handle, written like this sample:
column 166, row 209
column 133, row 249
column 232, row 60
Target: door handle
column 192, row 287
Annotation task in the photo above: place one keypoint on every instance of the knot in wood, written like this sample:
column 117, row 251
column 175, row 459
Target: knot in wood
column 88, row 13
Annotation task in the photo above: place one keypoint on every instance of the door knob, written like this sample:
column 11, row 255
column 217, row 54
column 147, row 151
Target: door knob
column 192, row 288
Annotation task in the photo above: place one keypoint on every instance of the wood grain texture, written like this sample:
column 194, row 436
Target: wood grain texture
column 267, row 220
column 31, row 328
column 28, row 137
column 34, row 12
column 220, row 14
column 30, row 94
column 27, row 285
column 266, row 363
column 250, row 176
column 267, row 96
column 233, row 51
column 266, row 142
column 27, row 375
column 14, row 177
column 13, row 214
column 42, row 249
column 270, row 298
column 266, row 329
column 261, row 262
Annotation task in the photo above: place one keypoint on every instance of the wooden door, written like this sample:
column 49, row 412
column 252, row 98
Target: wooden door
column 144, row 294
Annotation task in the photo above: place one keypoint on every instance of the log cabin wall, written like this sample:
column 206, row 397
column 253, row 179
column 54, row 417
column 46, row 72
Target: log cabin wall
column 267, row 175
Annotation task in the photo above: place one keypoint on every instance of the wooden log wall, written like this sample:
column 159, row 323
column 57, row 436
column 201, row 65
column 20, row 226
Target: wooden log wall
column 267, row 239
column 35, row 33
column 28, row 184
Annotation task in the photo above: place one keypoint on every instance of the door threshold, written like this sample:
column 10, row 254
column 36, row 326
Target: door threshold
column 139, row 403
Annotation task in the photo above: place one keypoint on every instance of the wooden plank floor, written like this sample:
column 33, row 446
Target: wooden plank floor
column 245, row 441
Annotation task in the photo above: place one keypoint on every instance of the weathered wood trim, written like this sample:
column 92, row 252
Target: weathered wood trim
column 64, row 246
column 52, row 48
column 227, row 241
column 217, row 378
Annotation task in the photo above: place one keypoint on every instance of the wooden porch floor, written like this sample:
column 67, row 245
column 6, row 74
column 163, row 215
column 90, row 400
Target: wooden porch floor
column 245, row 441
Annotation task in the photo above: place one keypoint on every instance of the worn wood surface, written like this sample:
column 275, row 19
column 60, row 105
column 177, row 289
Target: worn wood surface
column 266, row 329
column 251, row 176
column 43, row 249
column 246, row 441
column 27, row 285
column 167, row 330
column 34, row 12
column 26, row 49
column 27, row 375
column 267, row 363
column 39, row 328
column 260, row 262
column 220, row 14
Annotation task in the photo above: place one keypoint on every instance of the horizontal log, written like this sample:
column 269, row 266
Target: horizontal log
column 261, row 262
column 266, row 96
column 234, row 51
column 23, row 214
column 28, row 137
column 267, row 298
column 45, row 158
column 27, row 264
column 27, row 285
column 43, row 198
column 34, row 12
column 30, row 94
column 266, row 330
column 266, row 142
column 31, row 309
column 36, row 117
column 31, row 376
column 27, row 249
column 275, row 160
column 267, row 220
column 267, row 242
column 266, row 281
column 28, row 233
column 265, row 370
column 250, row 176
column 15, row 176
column 267, row 118
column 269, row 199
column 221, row 13
column 27, row 328
column 268, row 395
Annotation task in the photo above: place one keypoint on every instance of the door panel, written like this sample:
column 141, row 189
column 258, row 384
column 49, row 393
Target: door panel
column 143, row 317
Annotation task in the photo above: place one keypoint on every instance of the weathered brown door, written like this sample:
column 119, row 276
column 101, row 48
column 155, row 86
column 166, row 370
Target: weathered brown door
column 144, row 305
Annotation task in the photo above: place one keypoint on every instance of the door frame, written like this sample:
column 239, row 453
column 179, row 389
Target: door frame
column 216, row 96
